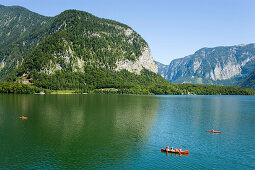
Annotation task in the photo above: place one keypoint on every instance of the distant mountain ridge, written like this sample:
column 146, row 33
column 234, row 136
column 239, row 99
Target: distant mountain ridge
column 249, row 82
column 226, row 65
column 162, row 69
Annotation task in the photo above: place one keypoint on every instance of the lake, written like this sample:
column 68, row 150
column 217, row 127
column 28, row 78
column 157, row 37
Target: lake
column 126, row 131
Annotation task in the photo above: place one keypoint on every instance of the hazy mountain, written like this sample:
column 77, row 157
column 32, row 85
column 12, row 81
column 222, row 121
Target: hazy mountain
column 226, row 65
column 162, row 69
column 249, row 82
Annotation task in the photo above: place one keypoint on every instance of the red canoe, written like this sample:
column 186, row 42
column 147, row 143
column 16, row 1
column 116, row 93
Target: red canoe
column 23, row 117
column 213, row 131
column 183, row 152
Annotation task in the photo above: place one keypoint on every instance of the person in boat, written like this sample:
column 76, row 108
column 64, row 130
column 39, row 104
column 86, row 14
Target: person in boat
column 176, row 150
column 23, row 117
column 172, row 149
column 212, row 130
column 180, row 149
column 167, row 148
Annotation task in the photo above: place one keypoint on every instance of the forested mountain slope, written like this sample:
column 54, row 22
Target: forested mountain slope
column 17, row 22
column 70, row 42
column 18, row 37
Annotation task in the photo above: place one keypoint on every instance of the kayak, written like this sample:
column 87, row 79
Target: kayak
column 213, row 131
column 184, row 152
column 23, row 117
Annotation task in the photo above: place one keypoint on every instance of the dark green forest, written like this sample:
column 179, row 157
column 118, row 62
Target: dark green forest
column 18, row 88
column 104, row 81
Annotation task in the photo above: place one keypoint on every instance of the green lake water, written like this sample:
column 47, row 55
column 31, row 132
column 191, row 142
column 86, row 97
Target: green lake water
column 126, row 131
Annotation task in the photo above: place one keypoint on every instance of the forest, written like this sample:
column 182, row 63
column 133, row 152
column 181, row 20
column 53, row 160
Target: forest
column 104, row 81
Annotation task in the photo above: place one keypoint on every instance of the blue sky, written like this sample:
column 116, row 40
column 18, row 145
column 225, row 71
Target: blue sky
column 172, row 28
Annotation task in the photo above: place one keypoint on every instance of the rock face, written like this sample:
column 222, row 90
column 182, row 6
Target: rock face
column 1, row 65
column 144, row 61
column 220, row 65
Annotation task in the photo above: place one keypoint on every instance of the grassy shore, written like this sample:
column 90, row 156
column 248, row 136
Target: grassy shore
column 63, row 92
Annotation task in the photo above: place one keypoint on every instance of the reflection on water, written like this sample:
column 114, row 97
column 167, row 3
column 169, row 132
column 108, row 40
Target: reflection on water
column 126, row 131
column 74, row 130
column 176, row 154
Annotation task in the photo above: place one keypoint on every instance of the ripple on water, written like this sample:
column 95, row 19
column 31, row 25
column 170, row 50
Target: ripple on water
column 113, row 131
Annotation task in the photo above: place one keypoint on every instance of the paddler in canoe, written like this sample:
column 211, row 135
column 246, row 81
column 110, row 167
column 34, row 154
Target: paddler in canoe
column 213, row 131
column 169, row 150
column 23, row 117
column 180, row 151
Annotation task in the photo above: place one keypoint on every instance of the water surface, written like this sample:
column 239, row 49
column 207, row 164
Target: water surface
column 126, row 131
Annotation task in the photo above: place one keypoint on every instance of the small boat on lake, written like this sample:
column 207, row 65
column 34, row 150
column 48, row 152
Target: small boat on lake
column 23, row 117
column 182, row 152
column 213, row 131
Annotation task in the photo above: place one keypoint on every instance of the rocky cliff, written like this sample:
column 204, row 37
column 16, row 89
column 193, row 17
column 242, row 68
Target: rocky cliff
column 144, row 61
column 220, row 65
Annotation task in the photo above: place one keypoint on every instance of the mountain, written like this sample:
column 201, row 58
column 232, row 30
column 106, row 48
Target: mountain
column 72, row 42
column 162, row 69
column 16, row 22
column 226, row 65
column 16, row 39
column 78, row 51
column 249, row 82
column 78, row 38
